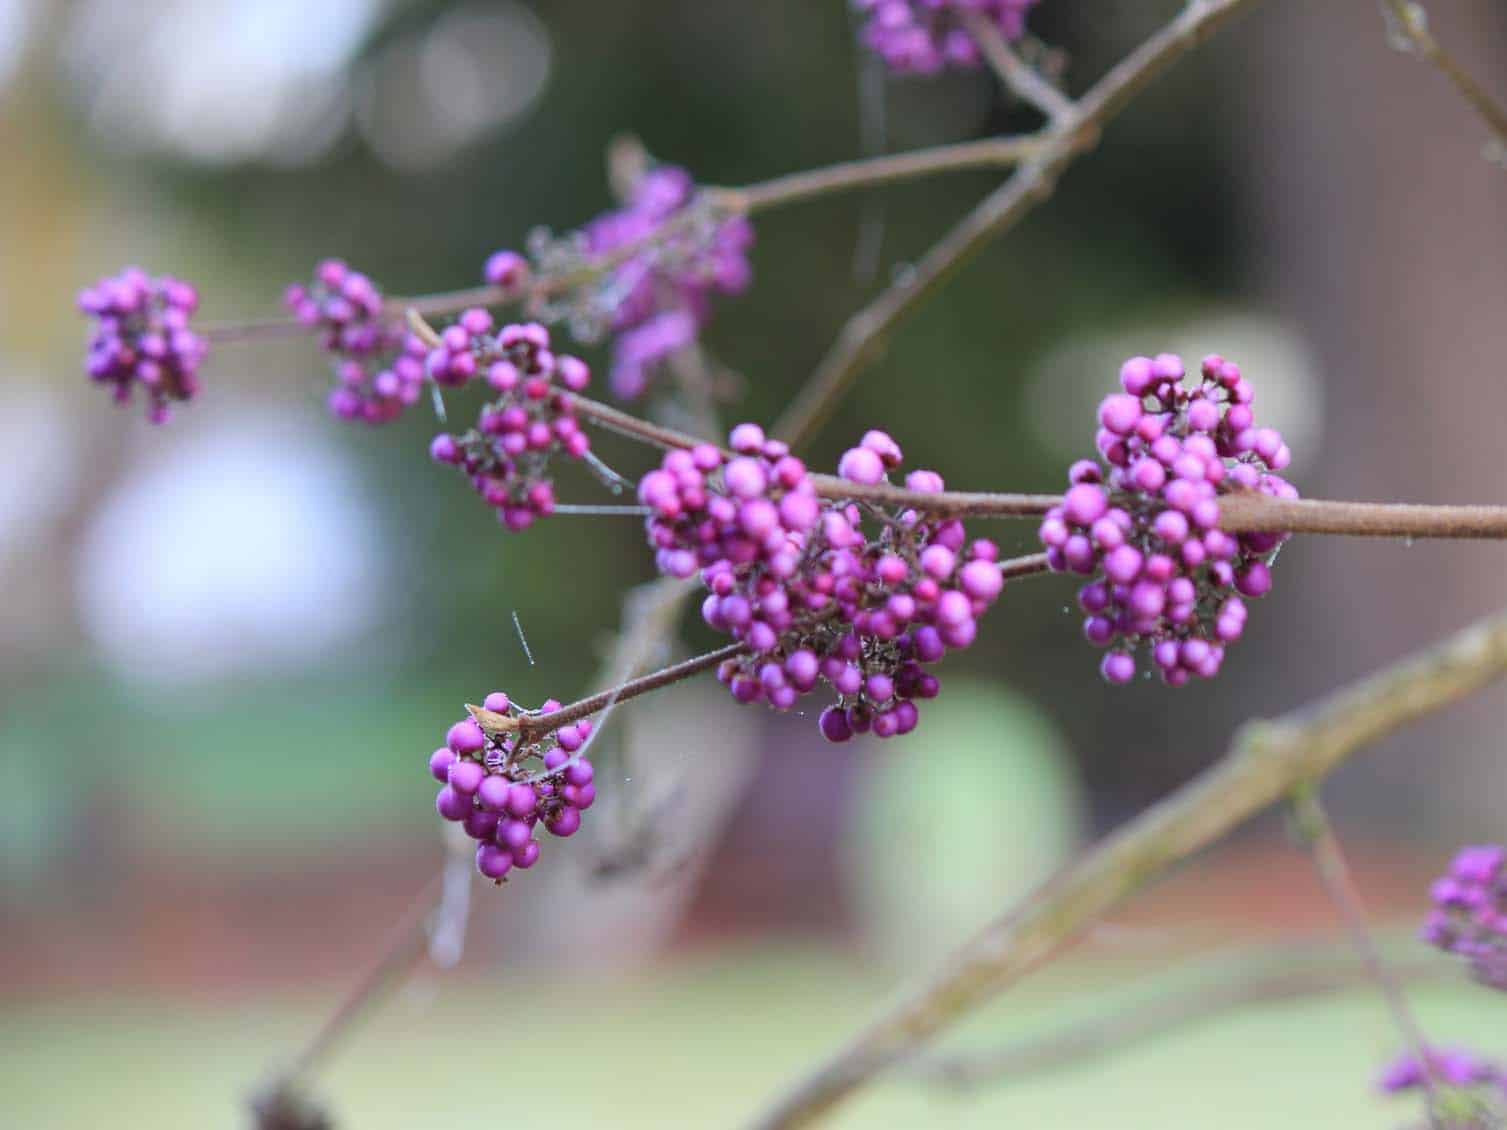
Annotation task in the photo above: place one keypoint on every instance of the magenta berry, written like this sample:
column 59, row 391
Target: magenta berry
column 1145, row 526
column 499, row 788
column 1470, row 912
column 508, row 271
column 142, row 339
column 817, row 588
column 927, row 36
column 507, row 454
column 378, row 364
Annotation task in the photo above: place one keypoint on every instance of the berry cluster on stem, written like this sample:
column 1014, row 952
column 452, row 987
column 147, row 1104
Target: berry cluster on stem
column 507, row 454
column 1145, row 523
column 820, row 588
column 1470, row 912
column 501, row 786
column 142, row 338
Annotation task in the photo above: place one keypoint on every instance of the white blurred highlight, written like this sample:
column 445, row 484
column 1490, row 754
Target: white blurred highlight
column 237, row 550
column 217, row 82
column 430, row 94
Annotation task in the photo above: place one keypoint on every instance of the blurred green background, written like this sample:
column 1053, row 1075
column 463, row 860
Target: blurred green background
column 228, row 644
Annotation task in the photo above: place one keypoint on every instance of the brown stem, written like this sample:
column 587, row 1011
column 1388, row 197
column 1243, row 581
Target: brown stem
column 1240, row 512
column 1412, row 20
column 531, row 727
column 234, row 333
column 1022, row 80
column 1266, row 761
column 1312, row 822
column 1222, row 988
column 391, row 969
column 863, row 337
column 1248, row 511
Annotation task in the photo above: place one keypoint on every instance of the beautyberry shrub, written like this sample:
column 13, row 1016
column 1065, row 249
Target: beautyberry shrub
column 1145, row 523
column 819, row 588
column 142, row 338
column 500, row 788
column 507, row 454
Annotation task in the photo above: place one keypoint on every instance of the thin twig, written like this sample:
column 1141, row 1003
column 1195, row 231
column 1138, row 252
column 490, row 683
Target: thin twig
column 1412, row 21
column 863, row 338
column 386, row 975
column 1313, row 825
column 1222, row 988
column 1241, row 512
column 534, row 726
column 1265, row 762
column 1021, row 78
column 793, row 188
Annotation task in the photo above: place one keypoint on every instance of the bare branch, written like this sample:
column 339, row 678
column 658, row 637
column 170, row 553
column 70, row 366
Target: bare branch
column 863, row 338
column 1411, row 21
column 1312, row 823
column 1021, row 78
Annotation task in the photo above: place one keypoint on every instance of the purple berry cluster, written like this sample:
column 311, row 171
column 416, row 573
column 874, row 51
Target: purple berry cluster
column 926, row 36
column 1470, row 912
column 814, row 595
column 1147, row 531
column 143, row 338
column 379, row 366
column 507, row 454
column 501, row 789
column 655, row 265
column 1467, row 1089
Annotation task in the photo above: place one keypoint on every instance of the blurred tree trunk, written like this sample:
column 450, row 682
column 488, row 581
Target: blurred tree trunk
column 1375, row 224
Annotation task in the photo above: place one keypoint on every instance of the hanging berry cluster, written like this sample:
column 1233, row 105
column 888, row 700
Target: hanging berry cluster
column 507, row 454
column 1147, row 530
column 142, row 338
column 820, row 588
column 379, row 366
column 500, row 788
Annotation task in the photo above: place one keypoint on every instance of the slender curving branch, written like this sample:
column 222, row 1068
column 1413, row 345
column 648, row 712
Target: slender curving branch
column 1312, row 823
column 1412, row 22
column 793, row 188
column 1266, row 761
column 1299, row 973
column 864, row 336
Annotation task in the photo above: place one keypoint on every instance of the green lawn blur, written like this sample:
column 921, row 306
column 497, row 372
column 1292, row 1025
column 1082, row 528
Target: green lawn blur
column 701, row 1042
